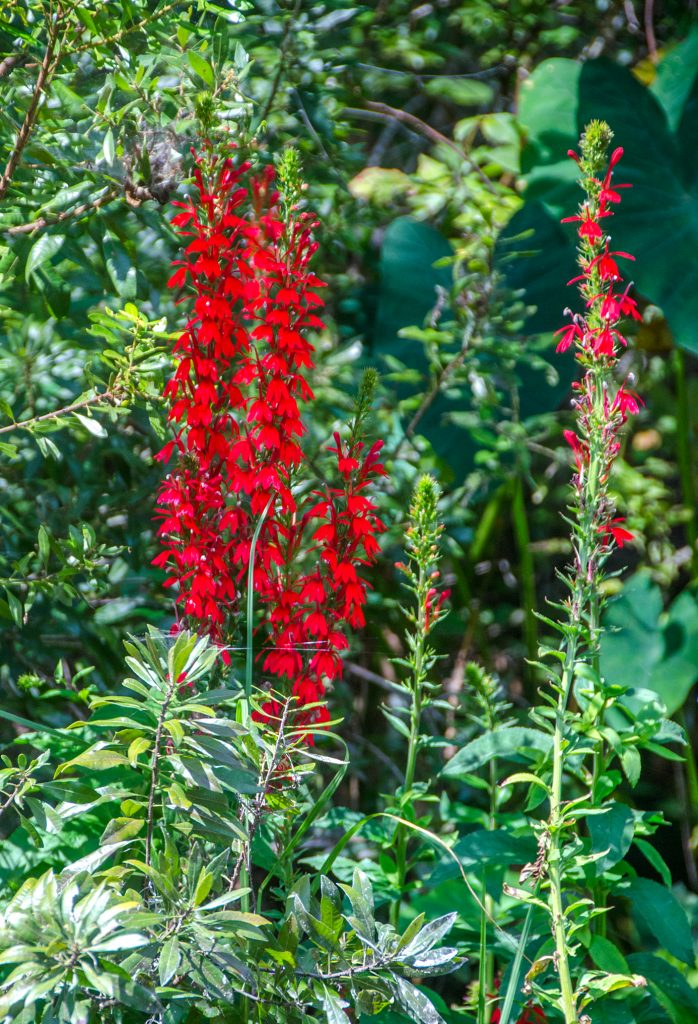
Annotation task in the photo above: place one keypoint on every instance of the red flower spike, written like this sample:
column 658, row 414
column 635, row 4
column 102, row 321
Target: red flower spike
column 237, row 395
column 600, row 412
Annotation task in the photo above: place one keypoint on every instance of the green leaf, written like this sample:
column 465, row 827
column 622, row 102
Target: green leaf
column 668, row 985
column 170, row 958
column 93, row 426
column 414, row 1002
column 657, row 651
column 44, row 543
column 203, row 887
column 466, row 92
column 606, row 955
column 331, row 907
column 429, row 935
column 612, row 831
column 120, row 830
column 43, row 250
column 121, row 271
column 511, row 744
column 631, row 763
column 676, row 76
column 136, row 747
column 96, row 758
column 108, row 147
column 15, row 606
column 663, row 917
column 491, row 850
column 656, row 860
column 202, row 67
column 332, row 1005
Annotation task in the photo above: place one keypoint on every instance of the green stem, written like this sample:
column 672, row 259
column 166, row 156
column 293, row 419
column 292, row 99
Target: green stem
column 527, row 572
column 413, row 741
column 486, row 969
column 684, row 445
column 249, row 653
column 555, row 848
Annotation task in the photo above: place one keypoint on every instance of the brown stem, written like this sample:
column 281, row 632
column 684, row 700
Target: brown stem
column 105, row 396
column 44, row 222
column 259, row 800
column 143, row 23
column 48, row 66
column 405, row 117
column 282, row 61
column 649, row 31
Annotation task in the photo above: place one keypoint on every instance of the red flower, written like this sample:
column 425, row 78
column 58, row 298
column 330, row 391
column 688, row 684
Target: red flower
column 627, row 402
column 236, row 402
column 607, row 266
column 612, row 530
column 588, row 226
column 570, row 334
column 530, row 1015
column 580, row 449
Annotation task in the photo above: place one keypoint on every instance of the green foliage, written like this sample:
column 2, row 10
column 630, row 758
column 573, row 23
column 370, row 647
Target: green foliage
column 656, row 649
column 147, row 919
column 658, row 221
column 162, row 857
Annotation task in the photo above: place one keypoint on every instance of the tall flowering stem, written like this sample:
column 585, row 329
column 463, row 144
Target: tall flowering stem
column 426, row 610
column 240, row 510
column 602, row 407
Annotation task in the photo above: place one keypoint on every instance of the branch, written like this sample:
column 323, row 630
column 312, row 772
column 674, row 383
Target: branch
column 104, row 396
column 282, row 61
column 117, row 36
column 437, row 383
column 44, row 222
column 260, row 798
column 48, row 66
column 383, row 111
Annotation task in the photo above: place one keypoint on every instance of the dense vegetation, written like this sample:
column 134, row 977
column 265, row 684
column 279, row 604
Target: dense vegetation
column 348, row 555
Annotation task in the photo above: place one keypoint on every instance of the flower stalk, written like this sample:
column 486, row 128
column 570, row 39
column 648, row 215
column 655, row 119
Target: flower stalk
column 421, row 576
column 602, row 407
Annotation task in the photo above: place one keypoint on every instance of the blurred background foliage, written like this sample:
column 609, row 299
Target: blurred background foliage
column 433, row 140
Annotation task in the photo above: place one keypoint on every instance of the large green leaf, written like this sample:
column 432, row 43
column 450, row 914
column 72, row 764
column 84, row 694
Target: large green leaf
column 652, row 649
column 409, row 290
column 658, row 218
column 658, row 911
column 675, row 78
column 513, row 744
column 611, row 832
column 669, row 986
